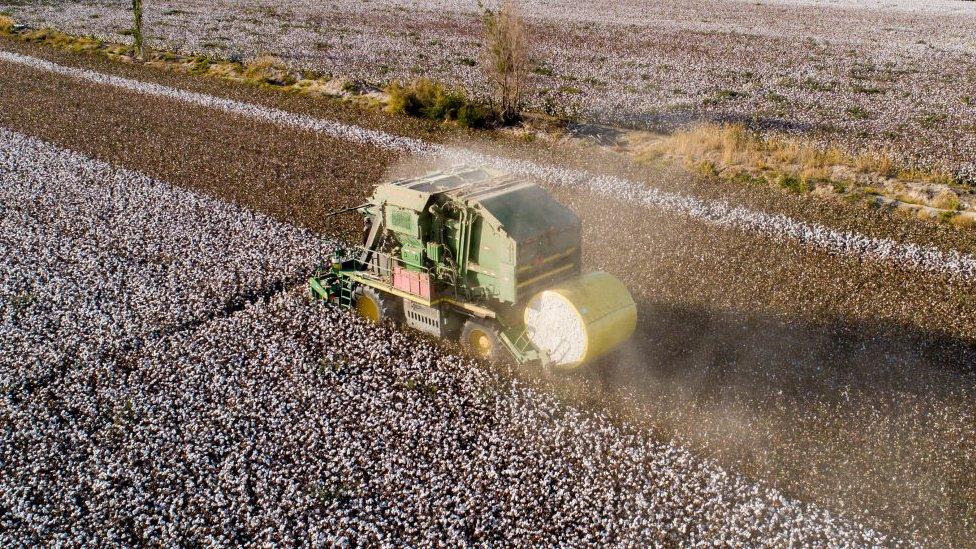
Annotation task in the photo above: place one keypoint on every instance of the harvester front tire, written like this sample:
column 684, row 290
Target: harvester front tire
column 482, row 340
column 377, row 307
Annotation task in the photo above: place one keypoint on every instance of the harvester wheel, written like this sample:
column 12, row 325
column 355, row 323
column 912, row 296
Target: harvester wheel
column 482, row 340
column 376, row 306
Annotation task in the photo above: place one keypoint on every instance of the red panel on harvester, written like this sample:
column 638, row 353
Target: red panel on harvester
column 412, row 282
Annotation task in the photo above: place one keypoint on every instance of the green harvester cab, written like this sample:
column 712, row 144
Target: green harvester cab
column 457, row 253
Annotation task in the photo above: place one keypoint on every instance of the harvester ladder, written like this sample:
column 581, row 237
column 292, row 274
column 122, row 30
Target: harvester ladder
column 346, row 295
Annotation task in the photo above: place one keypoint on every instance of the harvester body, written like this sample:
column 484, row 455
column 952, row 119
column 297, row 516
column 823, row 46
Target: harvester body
column 461, row 252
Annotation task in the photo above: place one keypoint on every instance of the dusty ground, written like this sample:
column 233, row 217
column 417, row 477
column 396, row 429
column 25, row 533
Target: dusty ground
column 845, row 382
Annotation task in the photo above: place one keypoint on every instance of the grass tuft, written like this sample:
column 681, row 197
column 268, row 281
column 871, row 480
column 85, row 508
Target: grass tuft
column 877, row 162
column 269, row 70
column 946, row 200
column 963, row 221
column 793, row 183
column 858, row 113
column 201, row 65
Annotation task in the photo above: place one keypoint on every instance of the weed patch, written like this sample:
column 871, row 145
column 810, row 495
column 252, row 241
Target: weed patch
column 876, row 162
column 795, row 165
column 858, row 113
column 201, row 65
column 946, row 200
column 6, row 24
column 543, row 70
column 328, row 493
column 792, row 183
column 268, row 70
column 411, row 384
column 425, row 98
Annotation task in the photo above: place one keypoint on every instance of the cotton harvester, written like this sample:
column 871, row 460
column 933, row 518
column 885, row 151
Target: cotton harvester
column 484, row 256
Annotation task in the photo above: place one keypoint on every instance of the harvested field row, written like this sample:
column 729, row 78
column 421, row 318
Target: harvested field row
column 951, row 263
column 286, row 423
column 865, row 76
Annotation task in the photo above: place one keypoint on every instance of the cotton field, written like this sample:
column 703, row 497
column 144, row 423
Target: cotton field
column 106, row 258
column 870, row 76
column 801, row 366
column 188, row 396
column 290, row 424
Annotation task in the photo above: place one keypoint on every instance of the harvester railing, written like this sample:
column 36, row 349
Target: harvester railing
column 380, row 264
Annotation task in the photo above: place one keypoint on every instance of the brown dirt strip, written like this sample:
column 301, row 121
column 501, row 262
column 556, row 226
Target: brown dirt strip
column 726, row 317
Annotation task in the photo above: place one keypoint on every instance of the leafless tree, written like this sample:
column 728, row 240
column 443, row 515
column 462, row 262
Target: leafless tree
column 507, row 60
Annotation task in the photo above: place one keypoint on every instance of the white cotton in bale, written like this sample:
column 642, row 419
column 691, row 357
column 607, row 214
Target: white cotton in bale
column 579, row 320
column 556, row 327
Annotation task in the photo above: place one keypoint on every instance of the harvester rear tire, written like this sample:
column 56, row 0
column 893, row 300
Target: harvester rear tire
column 376, row 306
column 482, row 339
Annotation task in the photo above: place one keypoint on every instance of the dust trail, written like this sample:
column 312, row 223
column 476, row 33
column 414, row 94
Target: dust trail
column 719, row 213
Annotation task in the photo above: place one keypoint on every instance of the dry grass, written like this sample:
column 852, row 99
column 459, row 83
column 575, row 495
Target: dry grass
column 733, row 152
column 946, row 200
column 963, row 221
column 268, row 69
column 877, row 162
column 6, row 24
column 60, row 40
column 732, row 146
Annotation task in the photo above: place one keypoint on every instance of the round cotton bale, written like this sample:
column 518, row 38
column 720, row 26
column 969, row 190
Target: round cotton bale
column 581, row 319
